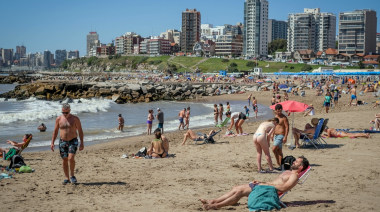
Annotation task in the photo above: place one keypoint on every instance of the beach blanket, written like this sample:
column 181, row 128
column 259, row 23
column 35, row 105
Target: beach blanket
column 263, row 198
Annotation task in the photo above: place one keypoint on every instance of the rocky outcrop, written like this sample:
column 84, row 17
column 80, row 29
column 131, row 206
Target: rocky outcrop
column 14, row 79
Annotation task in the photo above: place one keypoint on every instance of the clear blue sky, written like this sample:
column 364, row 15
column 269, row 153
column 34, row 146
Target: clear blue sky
column 52, row 25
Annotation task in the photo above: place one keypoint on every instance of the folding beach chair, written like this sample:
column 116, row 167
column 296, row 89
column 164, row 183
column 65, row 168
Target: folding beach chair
column 220, row 126
column 302, row 177
column 25, row 145
column 313, row 141
column 320, row 134
column 207, row 139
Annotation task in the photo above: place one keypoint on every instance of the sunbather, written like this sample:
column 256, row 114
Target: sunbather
column 160, row 145
column 283, row 183
column 18, row 146
column 309, row 129
column 190, row 134
column 331, row 132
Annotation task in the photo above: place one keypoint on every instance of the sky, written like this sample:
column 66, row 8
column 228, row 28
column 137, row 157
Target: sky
column 50, row 25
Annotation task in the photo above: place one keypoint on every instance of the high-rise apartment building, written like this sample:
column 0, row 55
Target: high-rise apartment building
column 173, row 35
column 91, row 38
column 191, row 30
column 357, row 32
column 125, row 44
column 255, row 41
column 72, row 54
column 277, row 30
column 228, row 45
column 155, row 45
column 60, row 56
column 47, row 59
column 7, row 55
column 23, row 51
column 311, row 30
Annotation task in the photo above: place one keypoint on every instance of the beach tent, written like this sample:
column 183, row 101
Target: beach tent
column 292, row 107
column 283, row 86
column 351, row 81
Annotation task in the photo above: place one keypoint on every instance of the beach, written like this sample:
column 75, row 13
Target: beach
column 344, row 175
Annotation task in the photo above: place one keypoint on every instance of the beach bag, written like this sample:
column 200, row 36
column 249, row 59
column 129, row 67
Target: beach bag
column 287, row 162
column 142, row 152
column 17, row 161
column 25, row 169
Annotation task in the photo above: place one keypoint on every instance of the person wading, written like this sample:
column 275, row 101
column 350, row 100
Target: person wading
column 68, row 125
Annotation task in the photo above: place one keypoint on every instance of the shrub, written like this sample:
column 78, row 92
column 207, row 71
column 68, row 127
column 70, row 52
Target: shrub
column 306, row 68
column 251, row 64
column 370, row 67
column 143, row 59
column 151, row 62
column 110, row 57
column 91, row 60
column 291, row 67
column 233, row 69
column 156, row 62
column 233, row 65
column 225, row 61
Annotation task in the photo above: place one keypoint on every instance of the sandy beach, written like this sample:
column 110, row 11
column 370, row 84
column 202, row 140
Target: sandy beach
column 344, row 176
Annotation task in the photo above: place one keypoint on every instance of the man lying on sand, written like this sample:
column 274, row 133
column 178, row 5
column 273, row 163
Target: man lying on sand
column 331, row 132
column 283, row 183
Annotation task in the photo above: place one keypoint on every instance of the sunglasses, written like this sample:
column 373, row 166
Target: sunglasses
column 65, row 113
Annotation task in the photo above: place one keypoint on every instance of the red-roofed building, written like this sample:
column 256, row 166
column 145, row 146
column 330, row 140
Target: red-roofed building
column 371, row 60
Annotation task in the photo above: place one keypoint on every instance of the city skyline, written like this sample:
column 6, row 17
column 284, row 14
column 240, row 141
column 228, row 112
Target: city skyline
column 69, row 31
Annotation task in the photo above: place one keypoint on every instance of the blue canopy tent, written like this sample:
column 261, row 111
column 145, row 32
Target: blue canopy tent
column 283, row 86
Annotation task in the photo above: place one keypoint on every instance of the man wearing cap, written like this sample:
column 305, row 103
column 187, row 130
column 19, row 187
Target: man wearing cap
column 121, row 123
column 160, row 118
column 309, row 130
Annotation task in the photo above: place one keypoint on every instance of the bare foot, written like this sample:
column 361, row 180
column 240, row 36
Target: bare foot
column 368, row 135
column 210, row 207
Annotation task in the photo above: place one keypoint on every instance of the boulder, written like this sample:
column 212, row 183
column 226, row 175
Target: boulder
column 144, row 90
column 187, row 93
column 115, row 97
column 199, row 91
column 210, row 90
column 134, row 87
column 41, row 97
column 159, row 88
column 67, row 100
column 197, row 86
column 105, row 91
column 40, row 91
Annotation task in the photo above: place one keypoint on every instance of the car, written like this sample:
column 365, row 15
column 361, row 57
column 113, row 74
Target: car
column 301, row 62
column 283, row 61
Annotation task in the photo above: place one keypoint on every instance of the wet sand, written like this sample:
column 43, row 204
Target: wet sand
column 344, row 177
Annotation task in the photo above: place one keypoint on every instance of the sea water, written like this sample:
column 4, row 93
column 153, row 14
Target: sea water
column 99, row 118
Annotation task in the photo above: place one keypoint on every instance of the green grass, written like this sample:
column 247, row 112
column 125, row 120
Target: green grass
column 187, row 61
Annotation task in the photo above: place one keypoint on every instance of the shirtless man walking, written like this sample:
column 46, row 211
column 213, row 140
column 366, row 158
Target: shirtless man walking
column 121, row 123
column 280, row 135
column 353, row 95
column 181, row 115
column 187, row 118
column 254, row 106
column 68, row 143
column 283, row 183
column 249, row 100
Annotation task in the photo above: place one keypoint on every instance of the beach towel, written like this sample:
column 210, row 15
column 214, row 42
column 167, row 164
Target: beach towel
column 10, row 153
column 263, row 198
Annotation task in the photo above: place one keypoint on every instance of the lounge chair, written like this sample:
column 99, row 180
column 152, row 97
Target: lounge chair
column 320, row 133
column 220, row 126
column 25, row 145
column 314, row 141
column 302, row 177
column 207, row 139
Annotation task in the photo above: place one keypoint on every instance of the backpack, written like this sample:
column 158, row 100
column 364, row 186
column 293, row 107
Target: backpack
column 287, row 162
column 142, row 152
column 17, row 161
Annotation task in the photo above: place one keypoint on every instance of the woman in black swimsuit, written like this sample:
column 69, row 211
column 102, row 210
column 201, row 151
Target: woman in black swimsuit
column 157, row 146
column 216, row 114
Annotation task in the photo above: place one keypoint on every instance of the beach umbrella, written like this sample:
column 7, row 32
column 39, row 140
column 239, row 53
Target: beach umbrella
column 250, row 78
column 292, row 107
column 283, row 86
column 259, row 81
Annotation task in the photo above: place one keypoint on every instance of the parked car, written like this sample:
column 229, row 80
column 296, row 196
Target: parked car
column 301, row 62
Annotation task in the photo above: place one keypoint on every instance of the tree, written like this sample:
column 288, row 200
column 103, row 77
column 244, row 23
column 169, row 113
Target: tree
column 225, row 61
column 110, row 57
column 233, row 69
column 370, row 67
column 307, row 68
column 291, row 67
column 202, row 53
column 233, row 64
column 279, row 44
column 233, row 56
column 252, row 64
column 336, row 44
column 360, row 64
column 64, row 64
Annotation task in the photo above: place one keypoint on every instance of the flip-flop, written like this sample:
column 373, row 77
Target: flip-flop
column 65, row 182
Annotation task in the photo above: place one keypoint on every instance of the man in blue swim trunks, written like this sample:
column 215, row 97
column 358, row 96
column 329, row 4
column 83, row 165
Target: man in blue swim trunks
column 353, row 95
column 280, row 134
column 181, row 116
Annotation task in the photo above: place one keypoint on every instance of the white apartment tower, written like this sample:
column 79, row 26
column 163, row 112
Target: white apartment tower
column 91, row 38
column 255, row 41
column 311, row 30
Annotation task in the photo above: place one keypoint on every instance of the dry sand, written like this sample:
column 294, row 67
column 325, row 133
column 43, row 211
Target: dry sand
column 344, row 177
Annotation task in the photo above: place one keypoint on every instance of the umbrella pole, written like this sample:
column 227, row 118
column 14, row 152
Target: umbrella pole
column 292, row 131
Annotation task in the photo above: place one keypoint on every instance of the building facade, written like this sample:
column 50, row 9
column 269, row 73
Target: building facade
column 191, row 30
column 311, row 30
column 277, row 30
column 357, row 32
column 60, row 56
column 91, row 38
column 72, row 54
column 47, row 59
column 173, row 35
column 7, row 55
column 125, row 44
column 155, row 45
column 255, row 40
column 229, row 45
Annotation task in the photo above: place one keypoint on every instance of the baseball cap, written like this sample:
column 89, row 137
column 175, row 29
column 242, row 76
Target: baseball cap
column 158, row 109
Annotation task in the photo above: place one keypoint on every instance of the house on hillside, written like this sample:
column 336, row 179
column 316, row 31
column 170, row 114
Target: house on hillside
column 304, row 55
column 371, row 60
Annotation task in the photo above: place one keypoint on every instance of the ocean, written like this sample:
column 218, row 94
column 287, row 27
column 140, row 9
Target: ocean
column 99, row 118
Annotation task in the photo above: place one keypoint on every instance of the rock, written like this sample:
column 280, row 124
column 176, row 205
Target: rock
column 173, row 87
column 41, row 97
column 105, row 91
column 210, row 90
column 67, row 100
column 120, row 101
column 199, row 91
column 187, row 93
column 144, row 90
column 115, row 97
column 134, row 87
column 197, row 86
column 40, row 91
column 159, row 88
column 166, row 97
column 186, row 88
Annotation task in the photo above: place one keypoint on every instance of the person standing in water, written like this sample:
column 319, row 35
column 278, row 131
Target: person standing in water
column 181, row 116
column 121, row 123
column 68, row 125
column 221, row 111
column 254, row 106
column 149, row 122
column 262, row 142
column 249, row 100
column 160, row 119
column 187, row 118
column 228, row 107
column 216, row 113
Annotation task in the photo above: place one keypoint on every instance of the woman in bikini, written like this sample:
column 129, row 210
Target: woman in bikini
column 157, row 149
column 331, row 132
column 278, row 100
column 221, row 110
column 187, row 118
column 149, row 122
column 228, row 107
column 216, row 113
column 262, row 142
column 286, row 98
